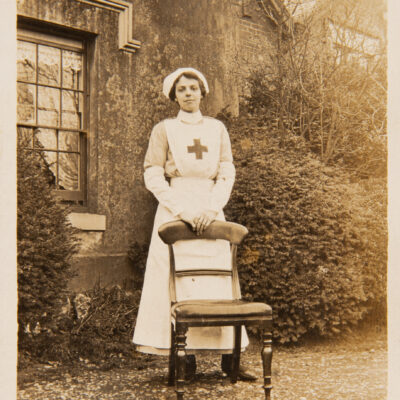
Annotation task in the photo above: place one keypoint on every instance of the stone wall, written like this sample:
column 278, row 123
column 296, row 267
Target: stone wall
column 126, row 101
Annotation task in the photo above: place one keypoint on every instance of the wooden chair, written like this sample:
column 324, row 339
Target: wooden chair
column 195, row 313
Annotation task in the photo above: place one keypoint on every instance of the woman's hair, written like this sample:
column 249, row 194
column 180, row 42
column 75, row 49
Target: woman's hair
column 189, row 75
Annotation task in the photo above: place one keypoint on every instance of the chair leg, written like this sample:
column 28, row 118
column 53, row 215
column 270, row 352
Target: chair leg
column 172, row 355
column 180, row 343
column 266, row 354
column 236, row 353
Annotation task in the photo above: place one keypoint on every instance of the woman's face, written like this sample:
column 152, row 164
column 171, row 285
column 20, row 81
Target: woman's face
column 188, row 94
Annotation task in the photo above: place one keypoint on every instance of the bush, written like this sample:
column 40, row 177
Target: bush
column 320, row 86
column 55, row 324
column 105, row 329
column 45, row 243
column 137, row 254
column 315, row 253
column 97, row 330
column 369, row 218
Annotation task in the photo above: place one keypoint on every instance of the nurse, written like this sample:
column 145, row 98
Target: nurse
column 189, row 169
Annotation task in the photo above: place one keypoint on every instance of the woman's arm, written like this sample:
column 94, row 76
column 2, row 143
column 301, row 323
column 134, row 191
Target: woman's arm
column 154, row 173
column 225, row 178
column 222, row 189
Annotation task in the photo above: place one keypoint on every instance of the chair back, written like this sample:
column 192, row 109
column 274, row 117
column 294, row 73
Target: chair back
column 171, row 232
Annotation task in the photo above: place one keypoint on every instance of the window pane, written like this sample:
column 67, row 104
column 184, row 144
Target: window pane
column 45, row 139
column 26, row 103
column 69, row 171
column 68, row 141
column 49, row 65
column 25, row 136
column 26, row 63
column 72, row 104
column 49, row 106
column 50, row 160
column 72, row 70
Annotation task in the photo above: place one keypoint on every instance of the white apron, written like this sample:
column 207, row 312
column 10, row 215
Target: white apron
column 153, row 326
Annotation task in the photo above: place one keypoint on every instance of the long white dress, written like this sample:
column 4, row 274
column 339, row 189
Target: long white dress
column 194, row 153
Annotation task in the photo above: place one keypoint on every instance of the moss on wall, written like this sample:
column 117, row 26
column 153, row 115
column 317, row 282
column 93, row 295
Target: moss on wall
column 125, row 92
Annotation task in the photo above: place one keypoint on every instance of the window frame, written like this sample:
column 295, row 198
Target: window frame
column 49, row 34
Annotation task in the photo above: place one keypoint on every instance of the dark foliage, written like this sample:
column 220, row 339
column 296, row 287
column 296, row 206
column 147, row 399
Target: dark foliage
column 317, row 245
column 101, row 335
column 45, row 245
column 106, row 331
column 49, row 326
column 137, row 254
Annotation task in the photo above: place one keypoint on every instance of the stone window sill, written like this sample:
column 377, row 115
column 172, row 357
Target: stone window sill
column 87, row 221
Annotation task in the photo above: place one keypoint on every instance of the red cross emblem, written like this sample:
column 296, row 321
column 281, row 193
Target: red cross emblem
column 198, row 149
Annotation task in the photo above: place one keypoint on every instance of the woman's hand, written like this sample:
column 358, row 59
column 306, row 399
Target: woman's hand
column 203, row 220
column 188, row 217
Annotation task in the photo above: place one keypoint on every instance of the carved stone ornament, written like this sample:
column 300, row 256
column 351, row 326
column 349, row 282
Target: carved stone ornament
column 125, row 15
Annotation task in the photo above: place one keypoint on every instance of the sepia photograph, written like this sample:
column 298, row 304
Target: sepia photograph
column 201, row 199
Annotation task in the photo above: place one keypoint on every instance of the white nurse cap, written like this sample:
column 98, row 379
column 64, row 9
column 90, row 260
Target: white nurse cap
column 170, row 79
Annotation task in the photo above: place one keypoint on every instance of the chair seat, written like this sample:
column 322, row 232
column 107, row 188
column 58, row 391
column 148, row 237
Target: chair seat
column 219, row 308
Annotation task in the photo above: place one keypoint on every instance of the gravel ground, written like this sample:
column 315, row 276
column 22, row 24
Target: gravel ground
column 349, row 369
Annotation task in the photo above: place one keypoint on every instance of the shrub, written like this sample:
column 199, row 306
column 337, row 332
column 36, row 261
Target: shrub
column 320, row 86
column 97, row 330
column 45, row 243
column 369, row 218
column 55, row 324
column 314, row 252
column 137, row 254
column 105, row 330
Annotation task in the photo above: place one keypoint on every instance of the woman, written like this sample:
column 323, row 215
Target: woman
column 188, row 167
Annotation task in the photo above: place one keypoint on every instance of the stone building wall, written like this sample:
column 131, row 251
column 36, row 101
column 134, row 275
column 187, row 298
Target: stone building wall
column 125, row 101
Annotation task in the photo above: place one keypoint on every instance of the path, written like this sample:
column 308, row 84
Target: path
column 349, row 370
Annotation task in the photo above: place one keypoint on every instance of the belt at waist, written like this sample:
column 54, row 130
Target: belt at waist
column 192, row 184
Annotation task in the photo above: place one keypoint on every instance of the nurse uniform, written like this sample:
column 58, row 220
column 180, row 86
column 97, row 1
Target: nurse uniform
column 188, row 166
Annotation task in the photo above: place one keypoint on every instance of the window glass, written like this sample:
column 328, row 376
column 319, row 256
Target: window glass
column 72, row 70
column 26, row 61
column 26, row 99
column 68, row 171
column 48, row 106
column 45, row 139
column 50, row 110
column 49, row 63
column 68, row 141
column 72, row 102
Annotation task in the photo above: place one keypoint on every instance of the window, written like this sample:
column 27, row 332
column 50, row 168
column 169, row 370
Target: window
column 51, row 107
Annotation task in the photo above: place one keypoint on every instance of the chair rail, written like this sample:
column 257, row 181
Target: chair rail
column 171, row 232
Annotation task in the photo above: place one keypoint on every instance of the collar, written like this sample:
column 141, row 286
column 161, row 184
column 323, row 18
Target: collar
column 190, row 118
